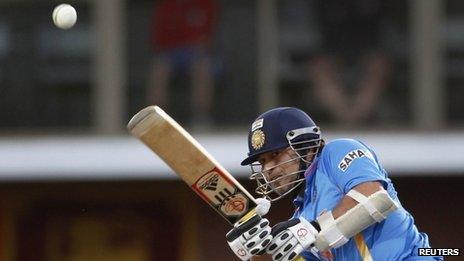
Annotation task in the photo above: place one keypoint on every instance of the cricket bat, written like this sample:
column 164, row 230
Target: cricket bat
column 193, row 164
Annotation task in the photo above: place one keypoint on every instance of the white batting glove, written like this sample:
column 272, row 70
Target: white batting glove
column 252, row 237
column 291, row 238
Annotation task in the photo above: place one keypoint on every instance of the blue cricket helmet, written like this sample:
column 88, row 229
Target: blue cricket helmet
column 273, row 129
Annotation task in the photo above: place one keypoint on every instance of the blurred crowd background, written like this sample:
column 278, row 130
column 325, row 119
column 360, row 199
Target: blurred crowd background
column 75, row 186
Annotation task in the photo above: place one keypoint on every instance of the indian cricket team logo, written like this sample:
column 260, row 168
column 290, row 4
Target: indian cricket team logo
column 257, row 139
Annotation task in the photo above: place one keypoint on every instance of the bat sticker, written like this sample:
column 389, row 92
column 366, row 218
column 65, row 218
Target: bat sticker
column 226, row 198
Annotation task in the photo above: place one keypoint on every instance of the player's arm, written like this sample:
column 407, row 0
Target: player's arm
column 355, row 170
column 347, row 202
column 364, row 205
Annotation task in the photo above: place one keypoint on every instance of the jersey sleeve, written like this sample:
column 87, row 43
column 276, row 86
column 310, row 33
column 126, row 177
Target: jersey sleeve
column 349, row 163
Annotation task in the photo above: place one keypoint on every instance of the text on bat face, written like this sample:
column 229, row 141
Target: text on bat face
column 211, row 183
column 225, row 197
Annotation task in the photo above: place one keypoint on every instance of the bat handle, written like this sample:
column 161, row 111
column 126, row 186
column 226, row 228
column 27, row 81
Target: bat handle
column 243, row 226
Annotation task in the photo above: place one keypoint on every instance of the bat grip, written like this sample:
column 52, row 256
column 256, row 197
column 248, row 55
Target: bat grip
column 242, row 228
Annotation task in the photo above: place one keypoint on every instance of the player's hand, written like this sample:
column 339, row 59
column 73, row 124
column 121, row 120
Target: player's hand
column 292, row 237
column 252, row 237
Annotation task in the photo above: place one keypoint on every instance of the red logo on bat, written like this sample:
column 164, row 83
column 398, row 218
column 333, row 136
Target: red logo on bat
column 235, row 205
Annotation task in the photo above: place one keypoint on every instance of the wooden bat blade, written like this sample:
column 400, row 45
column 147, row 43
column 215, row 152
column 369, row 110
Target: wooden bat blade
column 190, row 161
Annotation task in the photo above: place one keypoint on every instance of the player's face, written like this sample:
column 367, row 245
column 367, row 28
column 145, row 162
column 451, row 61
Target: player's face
column 278, row 166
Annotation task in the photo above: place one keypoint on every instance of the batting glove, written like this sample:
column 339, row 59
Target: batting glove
column 291, row 238
column 252, row 237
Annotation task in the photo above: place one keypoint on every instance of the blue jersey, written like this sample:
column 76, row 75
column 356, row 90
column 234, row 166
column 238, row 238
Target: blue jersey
column 341, row 165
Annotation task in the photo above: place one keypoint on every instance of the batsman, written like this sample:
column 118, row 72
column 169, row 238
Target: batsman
column 346, row 207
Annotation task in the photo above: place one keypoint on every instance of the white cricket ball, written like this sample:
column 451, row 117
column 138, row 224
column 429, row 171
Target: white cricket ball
column 64, row 16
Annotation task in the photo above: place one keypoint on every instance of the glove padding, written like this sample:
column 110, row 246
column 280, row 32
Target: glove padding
column 250, row 238
column 291, row 238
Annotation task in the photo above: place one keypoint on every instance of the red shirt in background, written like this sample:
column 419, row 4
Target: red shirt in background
column 179, row 23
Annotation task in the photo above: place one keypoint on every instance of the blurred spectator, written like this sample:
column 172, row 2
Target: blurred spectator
column 182, row 35
column 352, row 69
